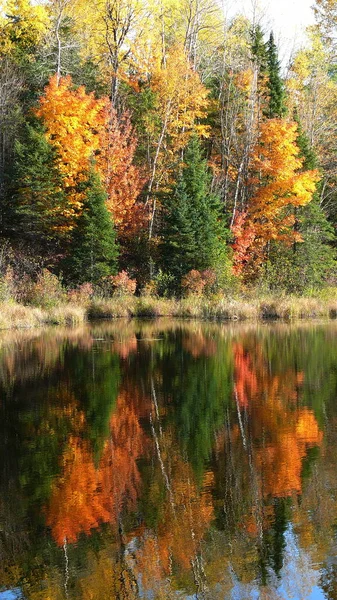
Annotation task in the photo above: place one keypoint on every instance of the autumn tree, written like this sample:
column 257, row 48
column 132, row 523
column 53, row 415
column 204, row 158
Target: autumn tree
column 121, row 178
column 308, row 263
column 72, row 119
column 233, row 115
column 326, row 16
column 23, row 26
column 83, row 129
column 178, row 104
column 280, row 186
column 312, row 93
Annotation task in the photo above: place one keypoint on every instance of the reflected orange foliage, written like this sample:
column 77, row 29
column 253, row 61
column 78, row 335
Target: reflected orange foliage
column 118, row 472
column 84, row 496
column 197, row 344
column 76, row 505
column 125, row 346
column 245, row 385
column 282, row 430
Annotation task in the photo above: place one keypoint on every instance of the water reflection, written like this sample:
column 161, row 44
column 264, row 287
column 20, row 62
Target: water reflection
column 164, row 460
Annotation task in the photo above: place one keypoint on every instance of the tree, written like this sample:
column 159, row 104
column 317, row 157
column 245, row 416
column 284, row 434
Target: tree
column 326, row 16
column 180, row 103
column 81, row 128
column 93, row 250
column 37, row 190
column 73, row 120
column 276, row 107
column 280, row 186
column 23, row 26
column 193, row 233
column 312, row 92
column 310, row 262
column 122, row 179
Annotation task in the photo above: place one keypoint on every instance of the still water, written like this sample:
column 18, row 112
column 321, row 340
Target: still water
column 167, row 460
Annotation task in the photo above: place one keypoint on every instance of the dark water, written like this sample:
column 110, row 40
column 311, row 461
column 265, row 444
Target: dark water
column 169, row 460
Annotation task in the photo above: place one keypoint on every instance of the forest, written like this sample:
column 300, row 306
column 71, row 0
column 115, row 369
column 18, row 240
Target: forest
column 160, row 148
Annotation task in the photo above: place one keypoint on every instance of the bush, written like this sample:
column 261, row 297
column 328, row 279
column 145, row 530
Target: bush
column 193, row 283
column 122, row 284
column 199, row 282
column 47, row 291
column 8, row 290
column 82, row 294
column 164, row 284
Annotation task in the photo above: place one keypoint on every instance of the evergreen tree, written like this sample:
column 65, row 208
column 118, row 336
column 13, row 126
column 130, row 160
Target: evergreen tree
column 314, row 258
column 259, row 48
column 276, row 108
column 34, row 191
column 93, row 250
column 193, row 231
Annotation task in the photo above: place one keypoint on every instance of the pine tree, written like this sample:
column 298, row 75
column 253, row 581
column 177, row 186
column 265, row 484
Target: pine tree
column 93, row 250
column 259, row 48
column 35, row 194
column 276, row 108
column 193, row 231
column 314, row 258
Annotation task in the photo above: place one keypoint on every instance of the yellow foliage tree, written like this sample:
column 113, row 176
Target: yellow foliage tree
column 22, row 26
column 73, row 120
column 180, row 105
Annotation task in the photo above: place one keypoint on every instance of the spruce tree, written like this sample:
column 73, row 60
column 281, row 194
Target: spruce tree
column 314, row 258
column 193, row 231
column 259, row 48
column 35, row 195
column 93, row 250
column 276, row 106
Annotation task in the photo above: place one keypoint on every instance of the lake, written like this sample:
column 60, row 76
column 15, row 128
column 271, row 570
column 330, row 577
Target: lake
column 169, row 460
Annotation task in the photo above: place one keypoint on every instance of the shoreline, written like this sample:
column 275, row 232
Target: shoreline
column 285, row 308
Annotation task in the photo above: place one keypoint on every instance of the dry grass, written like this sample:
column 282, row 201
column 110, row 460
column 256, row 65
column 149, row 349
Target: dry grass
column 111, row 308
column 65, row 314
column 16, row 316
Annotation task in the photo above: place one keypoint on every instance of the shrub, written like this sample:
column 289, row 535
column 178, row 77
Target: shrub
column 122, row 284
column 47, row 291
column 82, row 294
column 8, row 286
column 164, row 284
column 193, row 283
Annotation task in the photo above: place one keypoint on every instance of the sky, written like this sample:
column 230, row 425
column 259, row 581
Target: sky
column 287, row 18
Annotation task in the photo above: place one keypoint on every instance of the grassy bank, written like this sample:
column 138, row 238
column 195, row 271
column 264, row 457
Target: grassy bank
column 236, row 309
column 15, row 316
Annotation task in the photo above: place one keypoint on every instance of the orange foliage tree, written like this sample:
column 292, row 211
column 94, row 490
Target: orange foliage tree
column 121, row 178
column 280, row 186
column 85, row 130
